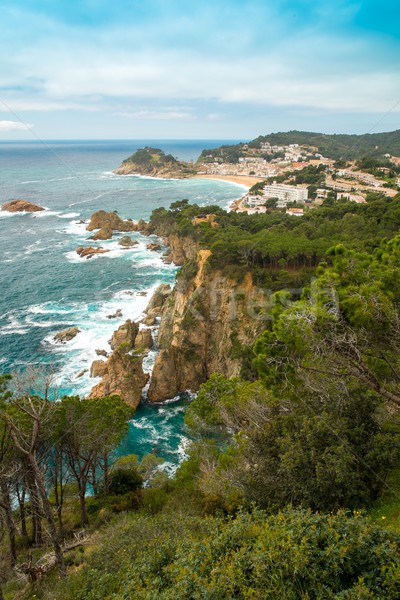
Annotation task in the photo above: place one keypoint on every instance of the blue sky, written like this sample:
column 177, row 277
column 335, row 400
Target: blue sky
column 211, row 69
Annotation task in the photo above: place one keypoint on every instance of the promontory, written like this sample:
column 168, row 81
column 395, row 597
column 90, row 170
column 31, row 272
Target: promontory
column 153, row 162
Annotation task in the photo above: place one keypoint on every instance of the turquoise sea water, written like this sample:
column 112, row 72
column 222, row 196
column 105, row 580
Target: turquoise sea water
column 46, row 287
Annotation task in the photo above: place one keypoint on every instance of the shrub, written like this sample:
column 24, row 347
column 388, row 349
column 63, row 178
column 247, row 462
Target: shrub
column 123, row 481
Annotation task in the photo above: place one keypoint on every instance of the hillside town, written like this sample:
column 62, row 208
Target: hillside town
column 297, row 177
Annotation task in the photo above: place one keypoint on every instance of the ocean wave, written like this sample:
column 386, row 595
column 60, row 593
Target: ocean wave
column 96, row 329
column 75, row 228
column 51, row 307
column 71, row 215
column 6, row 213
column 13, row 327
column 45, row 213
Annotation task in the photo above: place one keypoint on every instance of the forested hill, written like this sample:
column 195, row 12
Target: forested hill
column 338, row 145
column 331, row 146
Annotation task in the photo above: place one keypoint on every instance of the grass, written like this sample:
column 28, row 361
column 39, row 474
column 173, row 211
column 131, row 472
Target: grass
column 386, row 511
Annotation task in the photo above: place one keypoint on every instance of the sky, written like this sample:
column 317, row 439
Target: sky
column 215, row 69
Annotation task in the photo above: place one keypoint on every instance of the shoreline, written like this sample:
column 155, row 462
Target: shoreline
column 245, row 180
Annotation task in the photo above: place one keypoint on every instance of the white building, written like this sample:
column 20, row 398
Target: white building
column 285, row 193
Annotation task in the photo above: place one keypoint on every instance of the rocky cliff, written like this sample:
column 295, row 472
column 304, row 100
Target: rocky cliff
column 205, row 324
column 122, row 372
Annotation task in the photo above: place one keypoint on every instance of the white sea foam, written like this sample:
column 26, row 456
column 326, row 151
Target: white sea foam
column 50, row 308
column 96, row 330
column 71, row 215
column 13, row 327
column 45, row 213
column 76, row 228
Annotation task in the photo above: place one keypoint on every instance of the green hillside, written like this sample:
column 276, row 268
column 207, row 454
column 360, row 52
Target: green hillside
column 332, row 146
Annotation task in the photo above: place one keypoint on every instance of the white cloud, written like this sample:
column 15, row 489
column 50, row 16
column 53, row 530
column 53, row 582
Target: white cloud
column 14, row 126
column 157, row 115
column 120, row 67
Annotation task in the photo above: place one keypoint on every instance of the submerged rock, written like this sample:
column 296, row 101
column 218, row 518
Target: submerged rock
column 81, row 373
column 116, row 315
column 127, row 242
column 20, row 205
column 102, row 353
column 66, row 335
column 90, row 251
column 154, row 247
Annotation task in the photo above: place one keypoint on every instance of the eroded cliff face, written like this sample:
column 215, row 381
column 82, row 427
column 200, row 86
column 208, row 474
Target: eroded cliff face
column 204, row 324
column 180, row 249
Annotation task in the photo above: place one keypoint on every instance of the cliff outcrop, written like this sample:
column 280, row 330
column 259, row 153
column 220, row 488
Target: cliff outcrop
column 122, row 373
column 205, row 325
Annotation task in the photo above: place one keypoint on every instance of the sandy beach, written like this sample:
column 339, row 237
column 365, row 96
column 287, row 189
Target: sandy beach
column 246, row 180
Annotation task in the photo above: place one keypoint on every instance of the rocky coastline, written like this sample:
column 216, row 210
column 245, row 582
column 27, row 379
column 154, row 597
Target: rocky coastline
column 202, row 325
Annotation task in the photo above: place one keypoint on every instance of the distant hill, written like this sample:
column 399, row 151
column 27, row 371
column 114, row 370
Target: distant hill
column 155, row 163
column 335, row 146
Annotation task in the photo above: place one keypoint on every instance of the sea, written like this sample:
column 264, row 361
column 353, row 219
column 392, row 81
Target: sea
column 46, row 287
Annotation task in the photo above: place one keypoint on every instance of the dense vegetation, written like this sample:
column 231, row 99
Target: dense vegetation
column 337, row 146
column 147, row 155
column 280, row 250
column 224, row 154
column 283, row 460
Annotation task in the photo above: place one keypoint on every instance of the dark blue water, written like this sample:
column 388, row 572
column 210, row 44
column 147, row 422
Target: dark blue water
column 46, row 287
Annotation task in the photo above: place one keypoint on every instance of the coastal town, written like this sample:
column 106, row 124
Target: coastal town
column 273, row 174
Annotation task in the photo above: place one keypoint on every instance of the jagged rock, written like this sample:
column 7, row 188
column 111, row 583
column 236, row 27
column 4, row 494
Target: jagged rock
column 159, row 297
column 125, row 378
column 81, row 373
column 127, row 242
column 104, row 220
column 125, row 335
column 164, row 383
column 154, row 247
column 116, row 315
column 90, row 251
column 102, row 353
column 149, row 320
column 142, row 225
column 20, row 205
column 144, row 340
column 105, row 233
column 98, row 368
column 67, row 335
column 141, row 293
column 123, row 374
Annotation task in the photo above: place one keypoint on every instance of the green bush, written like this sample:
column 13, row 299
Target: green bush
column 123, row 481
column 292, row 555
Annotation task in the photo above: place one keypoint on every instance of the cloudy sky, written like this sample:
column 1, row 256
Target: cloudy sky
column 229, row 69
